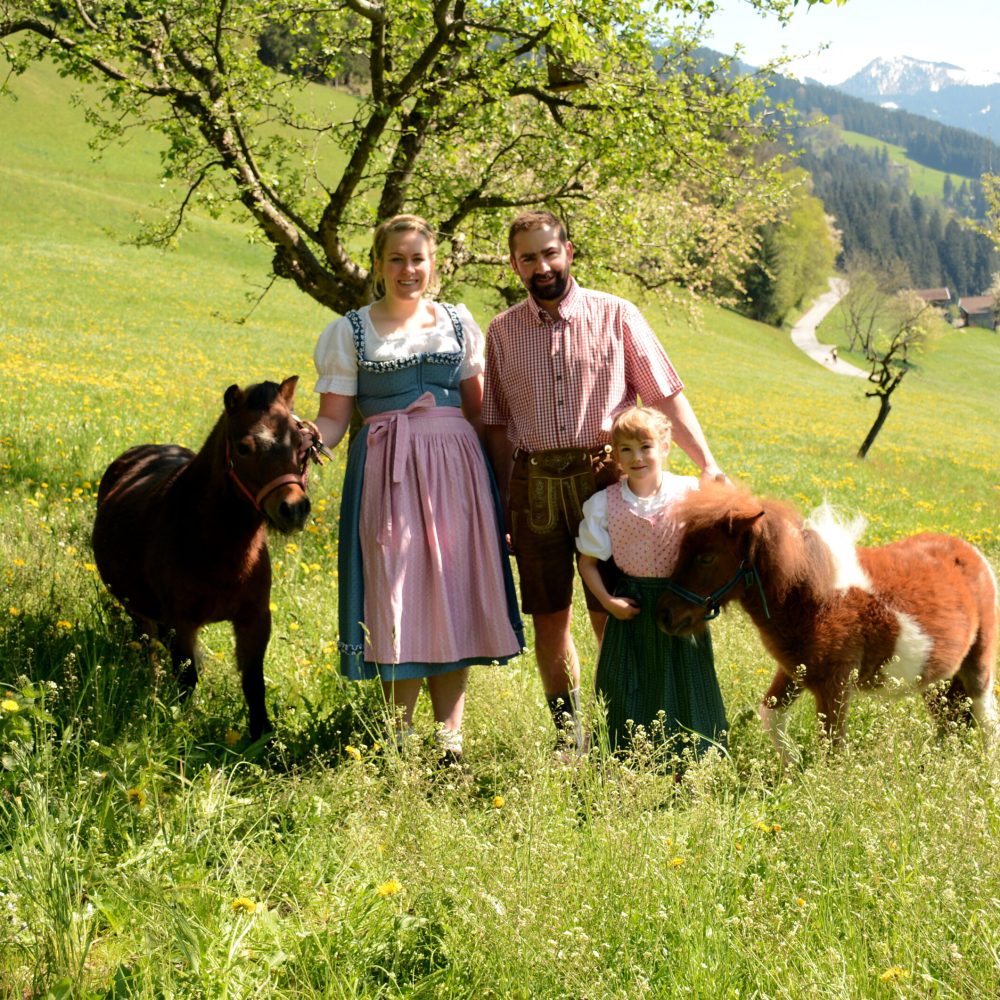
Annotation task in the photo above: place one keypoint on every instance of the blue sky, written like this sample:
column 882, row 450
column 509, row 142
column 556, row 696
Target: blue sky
column 962, row 32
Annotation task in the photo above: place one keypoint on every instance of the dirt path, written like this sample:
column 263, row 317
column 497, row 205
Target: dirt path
column 804, row 332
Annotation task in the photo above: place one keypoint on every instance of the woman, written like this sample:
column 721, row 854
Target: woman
column 425, row 583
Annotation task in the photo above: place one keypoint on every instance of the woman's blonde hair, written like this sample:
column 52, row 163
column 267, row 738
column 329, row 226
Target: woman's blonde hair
column 641, row 422
column 397, row 224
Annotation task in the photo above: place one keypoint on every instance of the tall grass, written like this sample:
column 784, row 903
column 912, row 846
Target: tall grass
column 149, row 852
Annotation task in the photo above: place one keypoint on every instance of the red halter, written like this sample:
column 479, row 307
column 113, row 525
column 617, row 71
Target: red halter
column 268, row 488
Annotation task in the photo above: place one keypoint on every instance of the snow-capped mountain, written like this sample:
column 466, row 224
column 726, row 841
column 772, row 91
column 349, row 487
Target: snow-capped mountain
column 938, row 90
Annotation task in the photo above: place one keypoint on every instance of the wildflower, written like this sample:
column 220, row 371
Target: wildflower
column 676, row 862
column 243, row 904
column 9, row 706
column 800, row 901
column 232, row 737
column 62, row 623
column 353, row 752
column 272, row 607
column 91, row 567
column 768, row 827
column 893, row 973
column 18, row 562
column 14, row 612
column 498, row 802
column 136, row 797
column 390, row 888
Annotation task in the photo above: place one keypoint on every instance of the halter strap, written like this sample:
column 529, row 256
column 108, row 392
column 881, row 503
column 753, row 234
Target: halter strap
column 746, row 573
column 300, row 479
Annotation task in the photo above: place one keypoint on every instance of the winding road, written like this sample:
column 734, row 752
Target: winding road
column 804, row 332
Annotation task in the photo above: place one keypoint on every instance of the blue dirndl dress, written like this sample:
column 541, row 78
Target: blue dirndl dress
column 420, row 516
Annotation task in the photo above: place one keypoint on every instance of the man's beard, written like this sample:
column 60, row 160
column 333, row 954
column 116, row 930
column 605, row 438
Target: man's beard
column 549, row 292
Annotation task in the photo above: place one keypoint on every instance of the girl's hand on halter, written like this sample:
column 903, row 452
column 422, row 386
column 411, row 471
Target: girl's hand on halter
column 622, row 608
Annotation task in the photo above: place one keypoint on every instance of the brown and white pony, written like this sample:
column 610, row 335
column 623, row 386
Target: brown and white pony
column 179, row 537
column 919, row 614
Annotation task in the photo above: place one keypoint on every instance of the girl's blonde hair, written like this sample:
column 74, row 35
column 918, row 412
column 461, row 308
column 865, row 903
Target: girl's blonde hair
column 397, row 224
column 641, row 422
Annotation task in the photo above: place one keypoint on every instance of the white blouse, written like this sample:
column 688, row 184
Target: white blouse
column 336, row 357
column 594, row 539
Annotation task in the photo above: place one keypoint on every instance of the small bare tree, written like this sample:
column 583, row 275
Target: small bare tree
column 889, row 354
column 871, row 286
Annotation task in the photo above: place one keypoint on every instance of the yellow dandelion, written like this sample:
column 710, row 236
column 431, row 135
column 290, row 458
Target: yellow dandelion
column 14, row 612
column 19, row 562
column 90, row 567
column 676, row 862
column 893, row 973
column 136, row 797
column 498, row 802
column 63, row 624
column 390, row 888
column 243, row 904
column 272, row 607
column 9, row 706
column 800, row 901
column 353, row 752
column 232, row 737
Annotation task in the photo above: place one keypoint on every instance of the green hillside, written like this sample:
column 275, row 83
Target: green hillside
column 148, row 852
column 924, row 181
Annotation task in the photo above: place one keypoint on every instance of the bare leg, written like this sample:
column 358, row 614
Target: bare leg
column 599, row 622
column 448, row 697
column 400, row 701
column 559, row 667
column 558, row 664
column 448, row 701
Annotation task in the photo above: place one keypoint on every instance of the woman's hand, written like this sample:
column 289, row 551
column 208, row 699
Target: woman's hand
column 311, row 442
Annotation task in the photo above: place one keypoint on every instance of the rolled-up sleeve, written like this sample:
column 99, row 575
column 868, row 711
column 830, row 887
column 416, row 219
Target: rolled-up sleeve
column 594, row 538
column 648, row 370
column 336, row 359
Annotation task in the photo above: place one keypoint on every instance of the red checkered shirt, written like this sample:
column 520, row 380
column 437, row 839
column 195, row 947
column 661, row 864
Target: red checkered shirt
column 559, row 383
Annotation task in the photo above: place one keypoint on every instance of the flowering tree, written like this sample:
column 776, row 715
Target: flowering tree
column 476, row 109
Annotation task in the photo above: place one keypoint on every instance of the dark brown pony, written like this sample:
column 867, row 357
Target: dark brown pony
column 179, row 537
column 919, row 614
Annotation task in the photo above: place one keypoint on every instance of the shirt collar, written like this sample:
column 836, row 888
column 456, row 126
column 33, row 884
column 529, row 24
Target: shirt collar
column 645, row 501
column 567, row 304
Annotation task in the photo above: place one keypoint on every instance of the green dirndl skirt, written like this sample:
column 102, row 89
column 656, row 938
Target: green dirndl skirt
column 642, row 672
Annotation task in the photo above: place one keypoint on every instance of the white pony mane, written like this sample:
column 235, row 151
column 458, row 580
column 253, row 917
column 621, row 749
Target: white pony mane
column 841, row 536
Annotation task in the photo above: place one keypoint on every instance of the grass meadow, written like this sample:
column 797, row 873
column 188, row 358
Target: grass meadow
column 147, row 851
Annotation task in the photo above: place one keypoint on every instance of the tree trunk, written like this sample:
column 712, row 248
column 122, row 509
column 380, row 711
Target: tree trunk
column 884, row 406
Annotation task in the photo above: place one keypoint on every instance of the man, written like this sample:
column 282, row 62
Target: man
column 559, row 366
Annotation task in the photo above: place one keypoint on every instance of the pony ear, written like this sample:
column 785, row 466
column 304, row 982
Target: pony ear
column 287, row 389
column 232, row 399
column 742, row 521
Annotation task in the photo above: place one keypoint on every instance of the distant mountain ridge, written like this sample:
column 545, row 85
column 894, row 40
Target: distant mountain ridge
column 940, row 91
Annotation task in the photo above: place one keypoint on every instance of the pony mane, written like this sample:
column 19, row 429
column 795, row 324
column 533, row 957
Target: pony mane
column 787, row 553
column 841, row 535
column 261, row 395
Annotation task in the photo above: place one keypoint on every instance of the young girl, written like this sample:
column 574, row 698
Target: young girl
column 642, row 671
column 425, row 587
